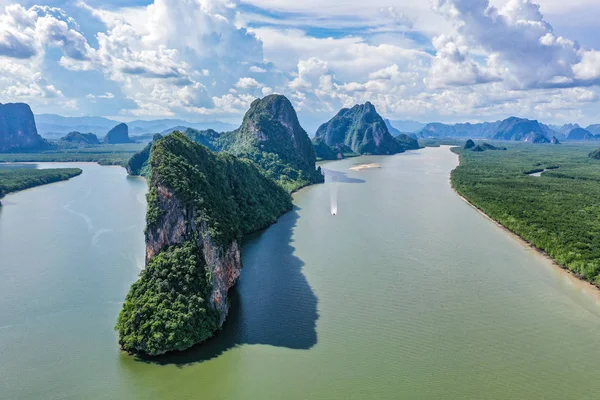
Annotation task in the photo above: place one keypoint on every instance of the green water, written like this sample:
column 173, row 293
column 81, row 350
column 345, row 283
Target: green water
column 407, row 293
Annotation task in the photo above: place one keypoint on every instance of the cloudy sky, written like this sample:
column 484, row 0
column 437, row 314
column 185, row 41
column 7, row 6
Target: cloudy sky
column 442, row 60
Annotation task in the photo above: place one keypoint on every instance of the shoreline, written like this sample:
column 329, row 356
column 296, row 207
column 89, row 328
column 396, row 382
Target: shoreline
column 595, row 290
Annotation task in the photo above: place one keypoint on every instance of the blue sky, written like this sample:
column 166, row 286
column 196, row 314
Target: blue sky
column 444, row 60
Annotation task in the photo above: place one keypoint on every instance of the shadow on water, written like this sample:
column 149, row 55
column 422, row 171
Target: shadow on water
column 272, row 304
column 340, row 177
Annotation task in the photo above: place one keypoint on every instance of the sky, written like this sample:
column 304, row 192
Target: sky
column 203, row 60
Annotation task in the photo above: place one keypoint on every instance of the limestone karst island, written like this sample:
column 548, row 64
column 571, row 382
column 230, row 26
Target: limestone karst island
column 268, row 199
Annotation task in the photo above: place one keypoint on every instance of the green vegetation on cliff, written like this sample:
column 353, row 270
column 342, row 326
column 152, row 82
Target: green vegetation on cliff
column 222, row 198
column 168, row 308
column 558, row 212
column 15, row 179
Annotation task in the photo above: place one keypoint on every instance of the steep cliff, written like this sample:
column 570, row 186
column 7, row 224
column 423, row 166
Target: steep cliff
column 271, row 136
column 118, row 135
column 81, row 138
column 17, row 129
column 362, row 129
column 200, row 205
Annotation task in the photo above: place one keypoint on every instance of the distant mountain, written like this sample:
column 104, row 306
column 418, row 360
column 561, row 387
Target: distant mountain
column 406, row 126
column 521, row 129
column 362, row 129
column 18, row 131
column 554, row 140
column 466, row 130
column 118, row 135
column 56, row 126
column 580, row 134
column 393, row 131
column 564, row 129
column 594, row 129
column 81, row 138
column 166, row 126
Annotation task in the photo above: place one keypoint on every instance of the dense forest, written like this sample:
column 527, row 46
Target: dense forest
column 15, row 179
column 102, row 154
column 558, row 212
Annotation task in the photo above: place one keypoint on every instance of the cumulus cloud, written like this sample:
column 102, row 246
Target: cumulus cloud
column 519, row 38
column 247, row 83
column 204, row 57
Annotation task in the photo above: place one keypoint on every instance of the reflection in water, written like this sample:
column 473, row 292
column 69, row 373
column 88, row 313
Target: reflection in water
column 273, row 304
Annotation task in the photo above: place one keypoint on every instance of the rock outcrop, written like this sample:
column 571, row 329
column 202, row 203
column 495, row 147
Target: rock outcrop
column 17, row 129
column 469, row 144
column 118, row 135
column 360, row 128
column 200, row 206
column 272, row 137
column 554, row 140
column 81, row 138
column 595, row 154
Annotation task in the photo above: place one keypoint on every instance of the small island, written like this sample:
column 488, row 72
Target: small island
column 15, row 179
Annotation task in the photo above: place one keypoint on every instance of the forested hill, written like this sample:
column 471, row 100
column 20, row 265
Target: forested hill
column 200, row 205
column 361, row 129
column 271, row 137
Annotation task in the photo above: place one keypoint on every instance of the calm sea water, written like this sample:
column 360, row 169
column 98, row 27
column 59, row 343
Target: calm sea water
column 407, row 293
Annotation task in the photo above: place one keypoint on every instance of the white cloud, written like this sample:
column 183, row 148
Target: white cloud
column 247, row 83
column 456, row 60
column 520, row 39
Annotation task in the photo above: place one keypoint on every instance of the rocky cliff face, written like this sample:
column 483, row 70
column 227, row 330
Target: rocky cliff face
column 179, row 223
column 362, row 129
column 271, row 125
column 118, row 135
column 17, row 129
column 272, row 137
column 200, row 205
